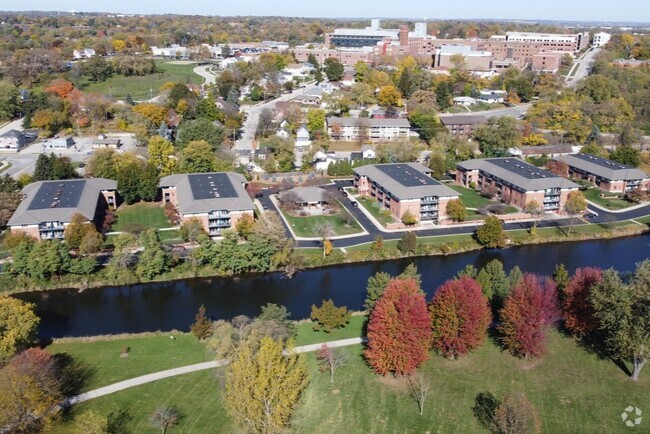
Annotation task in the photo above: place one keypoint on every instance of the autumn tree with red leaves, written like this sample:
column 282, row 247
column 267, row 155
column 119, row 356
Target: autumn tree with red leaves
column 460, row 316
column 60, row 87
column 399, row 330
column 527, row 313
column 577, row 311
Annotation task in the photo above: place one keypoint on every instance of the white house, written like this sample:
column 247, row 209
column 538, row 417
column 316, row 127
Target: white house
column 59, row 144
column 326, row 87
column 368, row 153
column 85, row 53
column 14, row 140
column 282, row 133
column 302, row 138
column 492, row 96
column 465, row 101
column 601, row 39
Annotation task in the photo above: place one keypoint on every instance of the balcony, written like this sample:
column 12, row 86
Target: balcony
column 51, row 235
column 428, row 208
column 221, row 223
column 429, row 200
column 49, row 226
column 218, row 214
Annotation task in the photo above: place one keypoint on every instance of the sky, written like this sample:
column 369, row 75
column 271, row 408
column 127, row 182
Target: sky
column 567, row 10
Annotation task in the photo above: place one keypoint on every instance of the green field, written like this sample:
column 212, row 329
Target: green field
column 372, row 206
column 593, row 195
column 307, row 226
column 471, row 198
column 147, row 86
column 147, row 215
column 573, row 390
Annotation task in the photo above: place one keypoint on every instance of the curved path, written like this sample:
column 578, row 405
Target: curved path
column 208, row 76
column 599, row 216
column 144, row 379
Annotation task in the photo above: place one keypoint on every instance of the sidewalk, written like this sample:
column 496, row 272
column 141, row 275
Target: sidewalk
column 149, row 378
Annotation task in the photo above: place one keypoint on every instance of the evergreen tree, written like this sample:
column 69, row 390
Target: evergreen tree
column 202, row 327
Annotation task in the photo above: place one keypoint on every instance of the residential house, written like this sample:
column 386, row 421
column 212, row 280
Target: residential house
column 110, row 143
column 405, row 187
column 306, row 197
column 461, row 125
column 219, row 199
column 516, row 182
column 373, row 129
column 310, row 100
column 48, row 206
column 465, row 101
column 85, row 53
column 492, row 96
column 606, row 174
column 59, row 144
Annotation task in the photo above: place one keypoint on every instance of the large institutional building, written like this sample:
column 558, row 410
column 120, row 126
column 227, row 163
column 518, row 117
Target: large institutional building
column 405, row 187
column 516, row 182
column 218, row 200
column 48, row 206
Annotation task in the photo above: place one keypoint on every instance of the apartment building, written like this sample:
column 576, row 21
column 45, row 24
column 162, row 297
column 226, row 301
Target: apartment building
column 462, row 125
column 606, row 174
column 405, row 187
column 551, row 41
column 217, row 199
column 372, row 129
column 48, row 206
column 516, row 182
column 600, row 39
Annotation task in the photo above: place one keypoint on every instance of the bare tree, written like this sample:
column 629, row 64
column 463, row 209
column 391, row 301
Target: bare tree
column 419, row 388
column 536, row 211
column 324, row 229
column 330, row 359
column 164, row 418
column 239, row 323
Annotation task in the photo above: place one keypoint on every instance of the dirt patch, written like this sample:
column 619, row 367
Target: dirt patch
column 399, row 384
column 532, row 364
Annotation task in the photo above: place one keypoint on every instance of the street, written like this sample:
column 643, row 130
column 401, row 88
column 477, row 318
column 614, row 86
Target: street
column 582, row 67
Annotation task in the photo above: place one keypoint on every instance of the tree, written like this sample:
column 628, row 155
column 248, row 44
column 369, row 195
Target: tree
column 197, row 157
column 362, row 93
column 192, row 230
column 627, row 155
column 18, row 326
column 76, row 230
column 408, row 243
column 161, row 155
column 399, row 329
column 329, row 317
column 9, row 101
column 577, row 311
column 456, row 210
column 493, row 280
column 375, row 288
column 265, row 123
column 575, row 204
column 536, row 211
column 498, row 135
column 315, row 122
column 409, row 219
column 437, row 165
column 516, row 415
column 164, row 418
column 153, row 113
column 527, row 312
column 280, row 315
column 623, row 311
column 202, row 326
column 154, row 260
column 200, row 130
column 31, row 391
column 419, row 389
column 491, row 233
column 263, row 386
column 460, row 316
column 333, row 69
column 330, row 359
column 388, row 96
column 561, row 279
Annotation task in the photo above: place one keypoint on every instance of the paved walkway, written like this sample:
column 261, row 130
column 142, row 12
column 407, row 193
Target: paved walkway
column 149, row 378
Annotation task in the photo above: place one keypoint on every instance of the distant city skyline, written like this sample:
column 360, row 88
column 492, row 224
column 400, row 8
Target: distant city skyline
column 559, row 10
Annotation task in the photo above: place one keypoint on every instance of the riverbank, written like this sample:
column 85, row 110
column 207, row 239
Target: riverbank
column 561, row 385
column 312, row 258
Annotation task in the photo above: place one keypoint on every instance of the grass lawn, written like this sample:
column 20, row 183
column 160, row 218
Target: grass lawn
column 148, row 354
column 306, row 226
column 120, row 86
column 577, row 229
column 173, row 236
column 344, row 146
column 573, row 391
column 382, row 216
column 593, row 195
column 471, row 198
column 436, row 241
column 644, row 220
column 307, row 335
column 148, row 215
column 5, row 166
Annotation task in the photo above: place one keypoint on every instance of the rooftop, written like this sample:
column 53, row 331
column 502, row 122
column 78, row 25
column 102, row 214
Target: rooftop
column 47, row 201
column 462, row 120
column 405, row 180
column 602, row 167
column 206, row 192
column 370, row 122
column 518, row 173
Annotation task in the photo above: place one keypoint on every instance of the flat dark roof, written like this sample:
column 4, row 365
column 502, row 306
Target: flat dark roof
column 521, row 168
column 211, row 186
column 406, row 175
column 603, row 162
column 58, row 194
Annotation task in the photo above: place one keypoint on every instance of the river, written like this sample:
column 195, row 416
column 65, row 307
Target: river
column 172, row 305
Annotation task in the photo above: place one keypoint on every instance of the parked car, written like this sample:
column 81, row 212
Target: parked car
column 355, row 204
